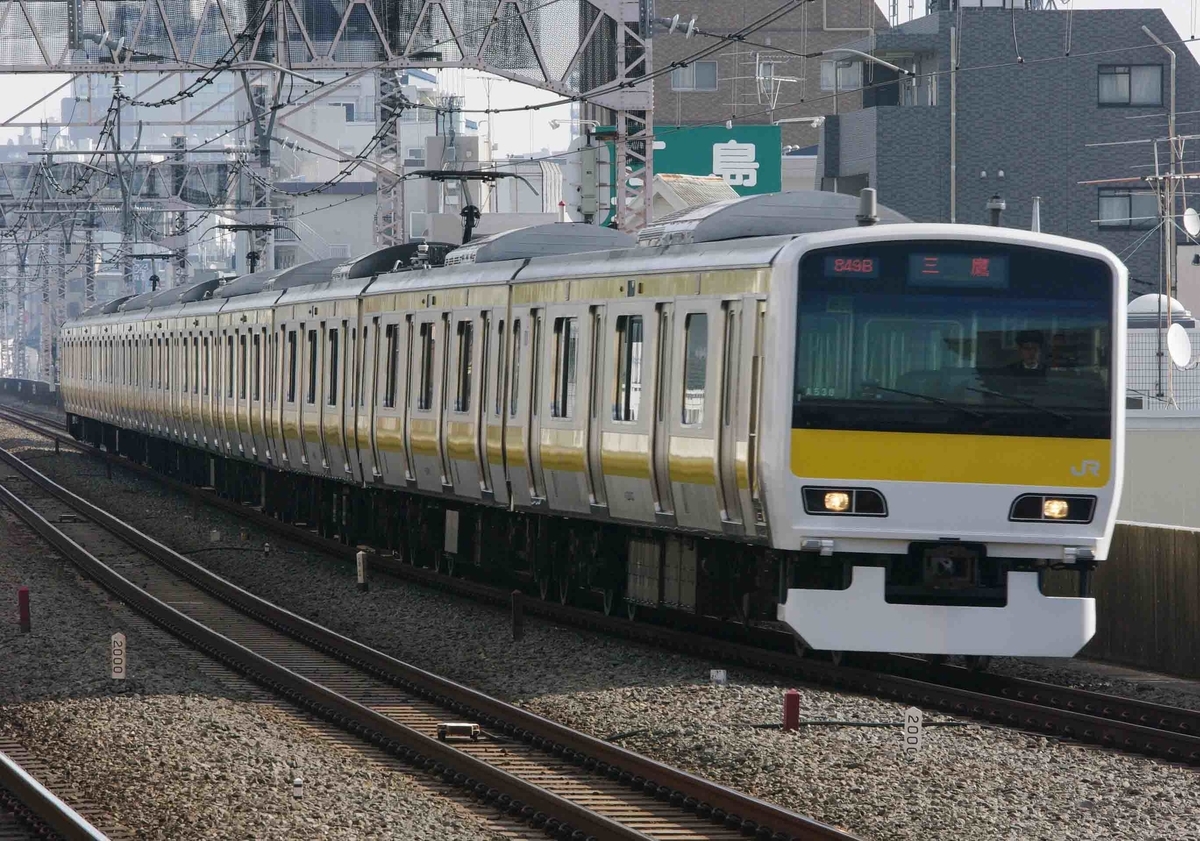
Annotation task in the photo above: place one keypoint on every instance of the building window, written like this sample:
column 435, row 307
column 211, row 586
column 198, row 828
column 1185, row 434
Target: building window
column 849, row 76
column 1126, row 84
column 1128, row 209
column 697, row 76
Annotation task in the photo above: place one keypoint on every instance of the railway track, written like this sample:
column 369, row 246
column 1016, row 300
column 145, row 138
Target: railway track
column 542, row 775
column 1110, row 721
column 29, row 810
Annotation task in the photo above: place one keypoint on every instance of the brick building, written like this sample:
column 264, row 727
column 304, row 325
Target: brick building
column 1022, row 129
column 723, row 85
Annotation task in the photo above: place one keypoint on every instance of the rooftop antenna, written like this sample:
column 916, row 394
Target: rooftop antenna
column 868, row 207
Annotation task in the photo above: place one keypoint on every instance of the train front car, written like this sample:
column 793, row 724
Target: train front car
column 946, row 425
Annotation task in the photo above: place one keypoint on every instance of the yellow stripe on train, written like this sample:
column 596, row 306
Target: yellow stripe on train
column 929, row 457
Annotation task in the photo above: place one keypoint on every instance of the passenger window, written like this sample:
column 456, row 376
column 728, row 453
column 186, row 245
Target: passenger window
column 207, row 364
column 229, row 367
column 500, row 367
column 291, row 350
column 514, row 388
column 393, row 353
column 629, row 368
column 462, row 400
column 362, row 379
column 425, row 384
column 167, row 372
column 484, row 349
column 695, row 367
column 351, row 361
column 566, row 341
column 195, row 364
column 312, row 367
column 256, row 392
column 331, row 398
column 245, row 363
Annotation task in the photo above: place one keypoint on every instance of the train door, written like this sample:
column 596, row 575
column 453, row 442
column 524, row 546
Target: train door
column 354, row 418
column 494, row 406
column 693, row 422
column 294, row 386
column 460, row 439
column 425, row 401
column 516, row 405
column 664, row 368
column 537, row 404
column 368, row 402
column 739, row 392
column 258, row 416
column 387, row 404
column 625, row 426
column 562, row 421
column 594, row 382
column 336, row 346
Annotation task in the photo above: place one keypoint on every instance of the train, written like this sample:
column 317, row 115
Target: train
column 800, row 409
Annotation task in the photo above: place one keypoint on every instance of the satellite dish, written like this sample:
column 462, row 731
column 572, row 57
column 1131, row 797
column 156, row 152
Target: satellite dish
column 1179, row 345
column 1191, row 222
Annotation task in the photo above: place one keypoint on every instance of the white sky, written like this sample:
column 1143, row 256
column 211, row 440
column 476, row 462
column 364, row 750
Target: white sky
column 529, row 132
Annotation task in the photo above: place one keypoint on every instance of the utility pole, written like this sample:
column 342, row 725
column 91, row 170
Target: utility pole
column 19, row 337
column 126, row 199
column 179, row 269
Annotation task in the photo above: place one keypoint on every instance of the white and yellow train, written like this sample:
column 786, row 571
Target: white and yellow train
column 881, row 435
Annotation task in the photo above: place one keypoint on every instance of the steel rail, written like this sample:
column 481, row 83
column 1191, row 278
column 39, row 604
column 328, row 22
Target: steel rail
column 1110, row 721
column 43, row 807
column 721, row 805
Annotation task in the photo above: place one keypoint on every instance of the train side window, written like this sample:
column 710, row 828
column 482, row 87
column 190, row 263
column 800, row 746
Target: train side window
column 425, row 383
column 514, row 388
column 291, row 340
column 566, row 342
column 167, row 373
column 462, row 399
column 500, row 367
column 629, row 368
column 333, row 368
column 195, row 365
column 352, row 373
column 393, row 352
column 207, row 364
column 230, row 364
column 484, row 349
column 256, row 389
column 311, row 395
column 245, row 363
column 695, row 367
column 362, row 377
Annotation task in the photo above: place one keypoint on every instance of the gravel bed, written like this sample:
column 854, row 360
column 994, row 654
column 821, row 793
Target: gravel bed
column 173, row 752
column 1103, row 677
column 969, row 782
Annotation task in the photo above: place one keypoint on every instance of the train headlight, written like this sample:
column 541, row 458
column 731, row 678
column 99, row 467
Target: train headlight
column 1055, row 509
column 844, row 502
column 837, row 501
column 1038, row 508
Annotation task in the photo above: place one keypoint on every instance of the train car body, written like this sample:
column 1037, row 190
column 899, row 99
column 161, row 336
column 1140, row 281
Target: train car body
column 754, row 413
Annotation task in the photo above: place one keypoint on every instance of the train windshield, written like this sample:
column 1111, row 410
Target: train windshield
column 953, row 337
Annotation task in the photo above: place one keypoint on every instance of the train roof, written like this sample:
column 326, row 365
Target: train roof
column 770, row 214
column 277, row 280
column 539, row 241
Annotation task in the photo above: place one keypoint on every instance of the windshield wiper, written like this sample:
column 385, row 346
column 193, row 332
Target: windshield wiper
column 1060, row 415
column 931, row 398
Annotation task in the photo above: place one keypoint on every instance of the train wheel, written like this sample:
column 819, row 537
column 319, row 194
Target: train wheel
column 564, row 590
column 543, row 586
column 631, row 609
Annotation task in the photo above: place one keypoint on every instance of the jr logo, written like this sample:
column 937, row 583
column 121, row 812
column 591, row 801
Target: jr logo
column 1088, row 466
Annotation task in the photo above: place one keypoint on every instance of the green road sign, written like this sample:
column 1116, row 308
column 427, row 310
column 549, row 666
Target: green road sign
column 749, row 158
